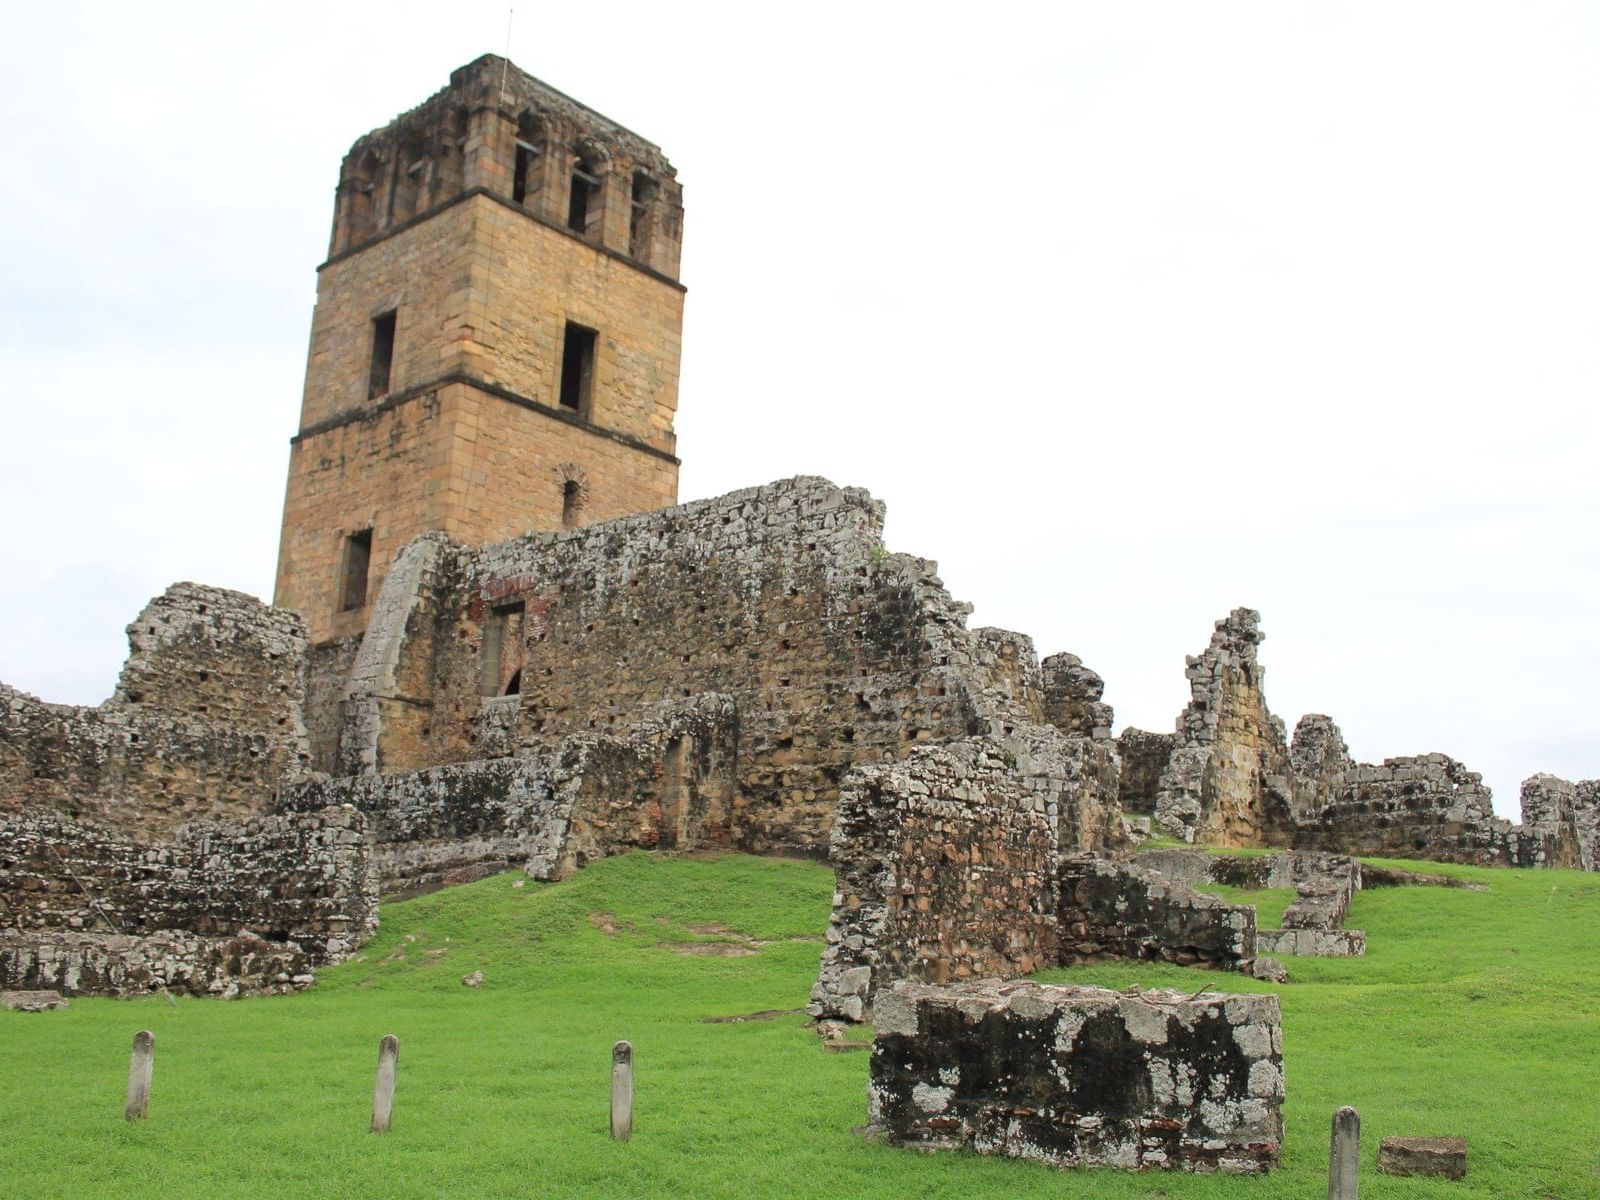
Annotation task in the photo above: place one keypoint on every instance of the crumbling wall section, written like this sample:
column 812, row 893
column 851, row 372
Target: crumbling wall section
column 1227, row 781
column 944, row 866
column 1072, row 697
column 1144, row 756
column 1076, row 1076
column 206, row 721
column 1428, row 806
column 301, row 877
column 1113, row 909
column 834, row 651
column 562, row 803
column 102, row 964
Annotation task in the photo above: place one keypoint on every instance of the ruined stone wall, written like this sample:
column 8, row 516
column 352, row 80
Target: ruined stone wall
column 302, row 877
column 1144, row 757
column 102, row 964
column 1429, row 806
column 833, row 651
column 1114, row 909
column 1075, row 1076
column 1071, row 700
column 1226, row 783
column 944, row 866
column 207, row 719
column 1559, row 824
column 558, row 805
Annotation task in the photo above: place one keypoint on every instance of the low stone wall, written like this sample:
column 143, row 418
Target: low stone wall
column 1318, row 943
column 560, row 804
column 301, row 877
column 1117, row 910
column 1075, row 1076
column 945, row 870
column 103, row 964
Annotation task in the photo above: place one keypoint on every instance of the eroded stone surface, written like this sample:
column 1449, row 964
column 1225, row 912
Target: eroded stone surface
column 1441, row 1156
column 1078, row 1076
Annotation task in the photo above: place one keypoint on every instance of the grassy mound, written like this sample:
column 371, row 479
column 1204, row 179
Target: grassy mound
column 1473, row 1013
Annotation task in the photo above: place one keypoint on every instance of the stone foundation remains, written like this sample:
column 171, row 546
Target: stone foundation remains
column 1074, row 1076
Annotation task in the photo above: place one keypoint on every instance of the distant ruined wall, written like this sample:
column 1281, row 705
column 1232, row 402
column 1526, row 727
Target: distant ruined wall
column 833, row 651
column 1226, row 783
column 557, row 806
column 302, row 877
column 206, row 720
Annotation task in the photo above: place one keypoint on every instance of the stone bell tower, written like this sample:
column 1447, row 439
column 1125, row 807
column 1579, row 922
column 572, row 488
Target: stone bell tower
column 496, row 340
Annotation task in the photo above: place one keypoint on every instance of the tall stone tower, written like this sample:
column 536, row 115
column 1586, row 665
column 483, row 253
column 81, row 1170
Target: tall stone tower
column 496, row 339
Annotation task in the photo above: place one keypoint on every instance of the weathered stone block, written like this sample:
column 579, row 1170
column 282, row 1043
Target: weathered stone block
column 1444, row 1156
column 1080, row 1076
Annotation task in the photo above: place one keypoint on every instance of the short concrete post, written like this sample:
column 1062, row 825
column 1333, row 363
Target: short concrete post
column 140, row 1068
column 1344, row 1155
column 621, row 1092
column 383, row 1090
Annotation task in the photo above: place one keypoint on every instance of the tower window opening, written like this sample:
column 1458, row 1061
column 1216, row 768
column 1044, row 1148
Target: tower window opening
column 577, row 369
column 382, row 355
column 530, row 143
column 585, row 191
column 639, row 225
column 357, row 560
column 571, row 502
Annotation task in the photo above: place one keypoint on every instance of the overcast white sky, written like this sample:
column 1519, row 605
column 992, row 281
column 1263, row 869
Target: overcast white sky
column 1132, row 313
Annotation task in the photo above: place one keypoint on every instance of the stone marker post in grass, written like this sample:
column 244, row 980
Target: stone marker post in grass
column 140, row 1068
column 383, row 1090
column 1344, row 1155
column 621, row 1091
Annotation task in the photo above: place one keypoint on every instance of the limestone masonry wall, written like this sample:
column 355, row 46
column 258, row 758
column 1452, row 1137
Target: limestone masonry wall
column 1118, row 910
column 1078, row 1076
column 557, row 806
column 782, row 598
column 206, row 721
column 301, row 877
column 1226, row 783
column 944, row 869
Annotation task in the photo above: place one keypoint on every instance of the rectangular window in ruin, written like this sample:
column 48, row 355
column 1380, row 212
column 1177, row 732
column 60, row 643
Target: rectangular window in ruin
column 577, row 369
column 382, row 355
column 585, row 191
column 522, row 180
column 357, row 559
column 501, row 672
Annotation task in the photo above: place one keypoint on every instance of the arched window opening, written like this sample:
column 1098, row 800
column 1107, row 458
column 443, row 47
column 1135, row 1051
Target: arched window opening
column 527, row 176
column 571, row 503
column 501, row 671
column 362, row 184
column 411, row 170
column 641, row 225
column 514, row 684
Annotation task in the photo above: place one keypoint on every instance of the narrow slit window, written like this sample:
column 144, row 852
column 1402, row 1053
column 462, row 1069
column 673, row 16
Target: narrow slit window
column 571, row 502
column 382, row 355
column 577, row 369
column 357, row 561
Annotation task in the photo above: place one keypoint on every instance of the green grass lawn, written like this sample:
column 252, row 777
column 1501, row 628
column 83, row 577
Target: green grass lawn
column 1473, row 1013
